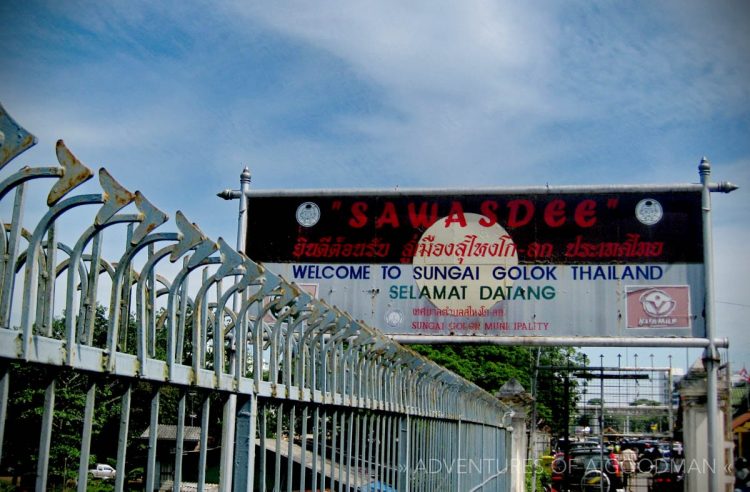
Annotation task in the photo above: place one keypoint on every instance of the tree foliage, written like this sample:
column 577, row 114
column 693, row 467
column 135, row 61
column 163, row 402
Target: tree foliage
column 28, row 383
column 644, row 402
column 491, row 366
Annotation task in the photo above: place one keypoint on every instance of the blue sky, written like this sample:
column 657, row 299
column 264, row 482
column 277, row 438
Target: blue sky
column 174, row 98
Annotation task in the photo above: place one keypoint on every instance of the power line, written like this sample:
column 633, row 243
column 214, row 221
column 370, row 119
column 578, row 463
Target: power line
column 732, row 303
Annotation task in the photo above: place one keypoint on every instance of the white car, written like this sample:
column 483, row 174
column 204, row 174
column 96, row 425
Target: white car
column 103, row 471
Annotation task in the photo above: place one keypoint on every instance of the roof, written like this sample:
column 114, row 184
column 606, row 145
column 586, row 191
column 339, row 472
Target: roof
column 167, row 432
column 741, row 423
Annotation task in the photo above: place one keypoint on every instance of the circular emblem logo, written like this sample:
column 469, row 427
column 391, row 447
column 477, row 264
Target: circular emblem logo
column 656, row 302
column 394, row 318
column 308, row 214
column 649, row 211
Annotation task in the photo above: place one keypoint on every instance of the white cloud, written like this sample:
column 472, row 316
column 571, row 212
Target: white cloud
column 497, row 88
column 175, row 98
column 475, row 54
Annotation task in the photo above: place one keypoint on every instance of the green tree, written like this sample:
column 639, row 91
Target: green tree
column 491, row 366
column 644, row 401
column 26, row 406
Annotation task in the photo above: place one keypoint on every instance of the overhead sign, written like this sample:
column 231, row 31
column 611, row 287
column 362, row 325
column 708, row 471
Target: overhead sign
column 566, row 262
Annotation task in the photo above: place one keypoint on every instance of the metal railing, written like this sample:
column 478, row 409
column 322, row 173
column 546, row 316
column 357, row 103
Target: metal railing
column 289, row 392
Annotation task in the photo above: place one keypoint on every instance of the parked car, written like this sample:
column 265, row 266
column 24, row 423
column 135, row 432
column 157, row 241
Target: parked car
column 668, row 476
column 103, row 471
column 584, row 470
column 573, row 445
column 648, row 457
column 665, row 448
column 640, row 445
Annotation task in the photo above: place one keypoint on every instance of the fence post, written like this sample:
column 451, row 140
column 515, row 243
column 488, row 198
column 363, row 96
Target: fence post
column 404, row 450
column 245, row 445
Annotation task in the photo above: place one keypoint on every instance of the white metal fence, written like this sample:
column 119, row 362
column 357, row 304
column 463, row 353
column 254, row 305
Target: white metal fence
column 214, row 371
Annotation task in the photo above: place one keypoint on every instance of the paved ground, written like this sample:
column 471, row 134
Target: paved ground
column 639, row 483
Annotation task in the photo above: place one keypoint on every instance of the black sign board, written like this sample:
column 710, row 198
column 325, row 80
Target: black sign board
column 556, row 228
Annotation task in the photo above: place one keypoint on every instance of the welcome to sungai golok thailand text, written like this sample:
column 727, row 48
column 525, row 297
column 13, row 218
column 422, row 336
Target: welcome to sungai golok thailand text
column 475, row 273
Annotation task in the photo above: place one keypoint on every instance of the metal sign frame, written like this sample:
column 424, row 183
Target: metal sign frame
column 272, row 216
column 709, row 342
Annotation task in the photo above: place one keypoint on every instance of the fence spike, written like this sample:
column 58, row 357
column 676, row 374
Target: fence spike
column 74, row 174
column 252, row 272
column 230, row 259
column 14, row 139
column 203, row 251
column 116, row 197
column 152, row 218
column 303, row 302
column 192, row 236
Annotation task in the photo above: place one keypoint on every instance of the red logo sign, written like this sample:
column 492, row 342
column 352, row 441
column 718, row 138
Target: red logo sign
column 658, row 306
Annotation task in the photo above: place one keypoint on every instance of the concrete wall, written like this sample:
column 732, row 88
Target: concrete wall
column 693, row 397
column 519, row 445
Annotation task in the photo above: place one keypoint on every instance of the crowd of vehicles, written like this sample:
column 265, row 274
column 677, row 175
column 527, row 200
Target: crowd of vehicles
column 581, row 466
column 586, row 468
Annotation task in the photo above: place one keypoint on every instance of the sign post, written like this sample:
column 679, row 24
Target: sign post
column 230, row 407
column 710, row 356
